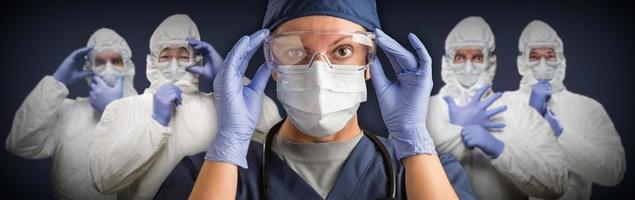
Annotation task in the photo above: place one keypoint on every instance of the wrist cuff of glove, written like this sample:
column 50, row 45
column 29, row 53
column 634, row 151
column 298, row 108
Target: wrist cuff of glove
column 412, row 142
column 553, row 121
column 230, row 148
column 163, row 122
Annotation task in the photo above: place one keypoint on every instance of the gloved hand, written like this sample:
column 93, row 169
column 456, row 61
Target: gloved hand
column 554, row 123
column 404, row 102
column 212, row 61
column 164, row 98
column 101, row 94
column 477, row 136
column 238, row 106
column 71, row 69
column 540, row 95
column 475, row 112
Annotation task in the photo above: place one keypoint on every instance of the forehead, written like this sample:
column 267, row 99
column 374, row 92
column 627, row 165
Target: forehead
column 542, row 50
column 319, row 23
column 107, row 54
column 469, row 51
column 174, row 50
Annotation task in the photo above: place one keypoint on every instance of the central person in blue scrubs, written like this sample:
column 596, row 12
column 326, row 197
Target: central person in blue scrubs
column 320, row 53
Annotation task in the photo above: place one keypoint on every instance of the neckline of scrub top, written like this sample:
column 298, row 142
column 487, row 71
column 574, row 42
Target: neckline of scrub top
column 310, row 152
column 352, row 172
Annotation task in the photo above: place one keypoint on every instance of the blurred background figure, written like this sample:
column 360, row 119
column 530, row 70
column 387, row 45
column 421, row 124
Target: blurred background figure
column 48, row 124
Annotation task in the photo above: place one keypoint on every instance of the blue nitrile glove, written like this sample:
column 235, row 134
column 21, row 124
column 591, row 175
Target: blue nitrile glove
column 164, row 98
column 477, row 136
column 554, row 123
column 71, row 69
column 101, row 94
column 212, row 61
column 404, row 102
column 540, row 95
column 475, row 112
column 238, row 106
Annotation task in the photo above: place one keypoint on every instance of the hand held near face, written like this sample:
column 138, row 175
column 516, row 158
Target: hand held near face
column 404, row 102
column 71, row 69
column 101, row 93
column 238, row 106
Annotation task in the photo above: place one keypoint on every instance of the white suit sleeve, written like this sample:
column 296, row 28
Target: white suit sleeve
column 32, row 133
column 532, row 158
column 596, row 151
column 127, row 141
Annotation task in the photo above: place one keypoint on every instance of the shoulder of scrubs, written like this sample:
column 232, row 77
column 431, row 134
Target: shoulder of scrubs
column 590, row 141
column 457, row 176
column 126, row 142
column 532, row 159
column 452, row 167
column 180, row 181
column 34, row 133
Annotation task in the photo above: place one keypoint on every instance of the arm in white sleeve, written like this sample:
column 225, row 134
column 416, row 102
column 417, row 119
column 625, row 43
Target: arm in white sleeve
column 127, row 142
column 596, row 151
column 32, row 133
column 446, row 136
column 532, row 158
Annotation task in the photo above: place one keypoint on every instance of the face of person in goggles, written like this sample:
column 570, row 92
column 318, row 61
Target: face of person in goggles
column 300, row 42
column 104, row 58
column 543, row 62
column 108, row 64
column 468, row 65
column 182, row 55
column 542, row 52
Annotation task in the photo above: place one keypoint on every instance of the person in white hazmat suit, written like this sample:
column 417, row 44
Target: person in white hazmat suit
column 507, row 151
column 48, row 124
column 592, row 148
column 141, row 138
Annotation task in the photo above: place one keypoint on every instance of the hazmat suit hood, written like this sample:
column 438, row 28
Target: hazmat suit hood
column 107, row 39
column 471, row 32
column 538, row 34
column 174, row 30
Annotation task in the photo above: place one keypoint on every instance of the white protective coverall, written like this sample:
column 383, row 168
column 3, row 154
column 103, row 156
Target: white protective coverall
column 132, row 153
column 531, row 163
column 48, row 124
column 592, row 148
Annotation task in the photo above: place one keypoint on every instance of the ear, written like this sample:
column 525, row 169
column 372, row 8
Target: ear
column 274, row 75
column 367, row 73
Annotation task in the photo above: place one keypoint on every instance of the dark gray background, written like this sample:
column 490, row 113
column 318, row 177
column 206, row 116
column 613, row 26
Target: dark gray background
column 37, row 36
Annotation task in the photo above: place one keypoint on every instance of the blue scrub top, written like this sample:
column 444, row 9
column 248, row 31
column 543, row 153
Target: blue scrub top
column 363, row 176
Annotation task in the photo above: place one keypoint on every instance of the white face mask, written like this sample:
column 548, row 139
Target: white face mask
column 322, row 101
column 468, row 73
column 543, row 70
column 172, row 72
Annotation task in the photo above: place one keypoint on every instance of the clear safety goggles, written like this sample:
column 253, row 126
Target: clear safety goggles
column 296, row 51
column 98, row 65
column 553, row 60
column 190, row 58
column 480, row 66
column 469, row 64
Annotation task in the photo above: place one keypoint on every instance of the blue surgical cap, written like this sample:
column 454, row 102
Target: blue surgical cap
column 362, row 12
